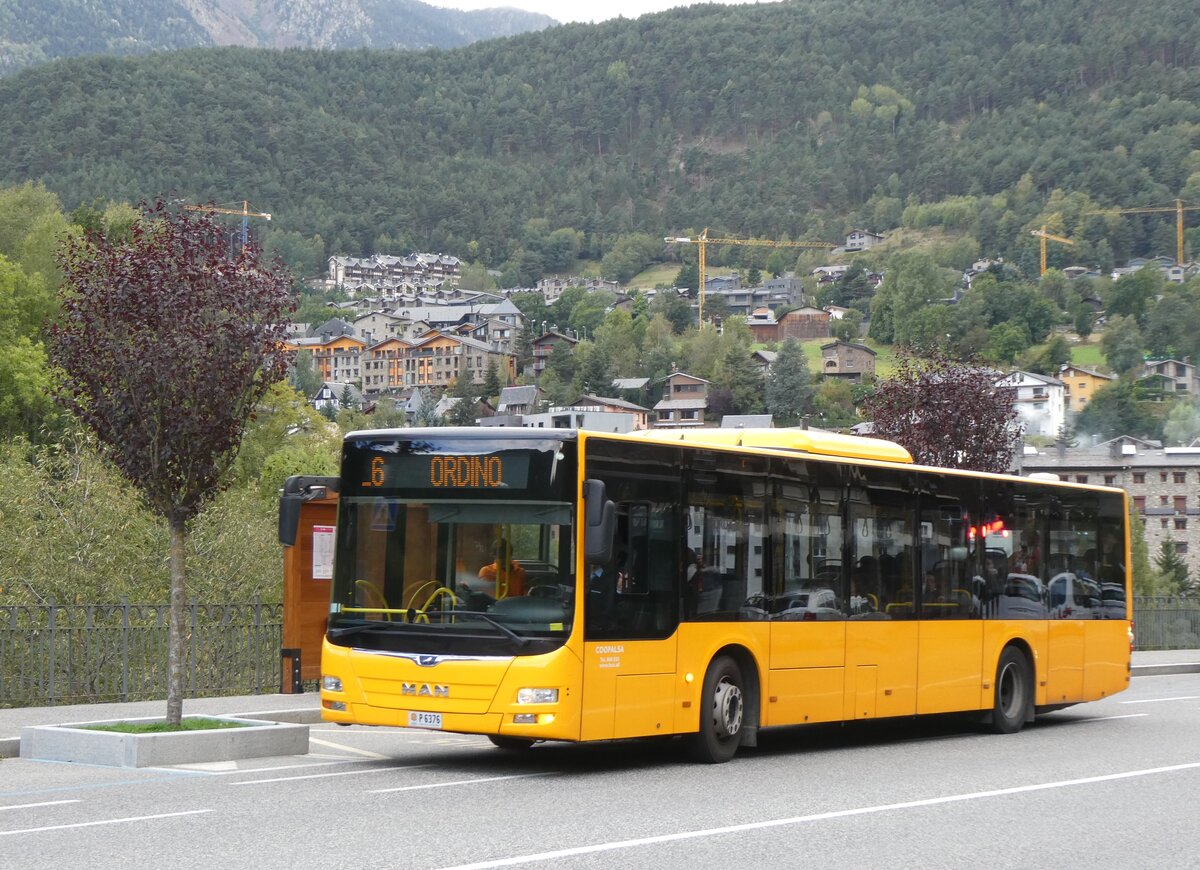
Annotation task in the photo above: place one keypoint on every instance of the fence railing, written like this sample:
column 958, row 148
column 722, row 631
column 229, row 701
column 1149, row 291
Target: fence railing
column 91, row 653
column 1166, row 623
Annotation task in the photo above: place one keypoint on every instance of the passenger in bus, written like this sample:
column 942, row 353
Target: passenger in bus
column 507, row 575
column 702, row 584
column 931, row 589
column 1029, row 558
column 861, row 599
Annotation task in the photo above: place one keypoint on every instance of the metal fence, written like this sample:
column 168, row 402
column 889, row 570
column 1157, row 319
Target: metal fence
column 92, row 653
column 1166, row 623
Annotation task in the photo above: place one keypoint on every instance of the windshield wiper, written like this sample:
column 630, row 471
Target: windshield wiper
column 521, row 641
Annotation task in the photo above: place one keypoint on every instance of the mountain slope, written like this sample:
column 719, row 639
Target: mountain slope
column 35, row 31
column 801, row 119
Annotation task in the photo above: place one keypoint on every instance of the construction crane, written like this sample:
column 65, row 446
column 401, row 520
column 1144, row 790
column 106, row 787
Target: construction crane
column 1179, row 208
column 1044, row 236
column 703, row 240
column 244, row 211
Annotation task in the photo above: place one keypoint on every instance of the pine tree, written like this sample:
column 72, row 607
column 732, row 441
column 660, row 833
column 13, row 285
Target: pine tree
column 790, row 389
column 1172, row 568
column 491, row 380
column 737, row 375
column 463, row 412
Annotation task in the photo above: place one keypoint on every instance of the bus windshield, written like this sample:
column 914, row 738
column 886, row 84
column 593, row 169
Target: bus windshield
column 454, row 546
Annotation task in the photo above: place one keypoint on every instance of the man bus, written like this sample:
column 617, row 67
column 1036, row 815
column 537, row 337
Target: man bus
column 612, row 636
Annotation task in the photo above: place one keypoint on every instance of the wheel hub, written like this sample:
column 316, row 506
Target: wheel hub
column 727, row 709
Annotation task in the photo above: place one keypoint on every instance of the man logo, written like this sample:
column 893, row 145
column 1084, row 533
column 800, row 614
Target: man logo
column 425, row 690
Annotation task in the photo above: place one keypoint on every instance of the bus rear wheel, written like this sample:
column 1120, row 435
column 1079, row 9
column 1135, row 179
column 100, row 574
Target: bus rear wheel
column 511, row 744
column 1014, row 692
column 722, row 712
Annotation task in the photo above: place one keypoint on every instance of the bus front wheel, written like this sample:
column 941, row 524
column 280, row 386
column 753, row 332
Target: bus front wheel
column 722, row 711
column 1014, row 692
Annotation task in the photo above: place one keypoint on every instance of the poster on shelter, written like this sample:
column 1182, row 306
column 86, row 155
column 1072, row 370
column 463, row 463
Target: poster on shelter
column 322, row 564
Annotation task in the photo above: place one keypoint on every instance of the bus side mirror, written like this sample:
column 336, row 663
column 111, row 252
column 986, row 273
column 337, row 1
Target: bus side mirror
column 298, row 489
column 600, row 523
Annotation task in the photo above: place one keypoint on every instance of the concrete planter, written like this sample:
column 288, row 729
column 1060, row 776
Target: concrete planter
column 76, row 742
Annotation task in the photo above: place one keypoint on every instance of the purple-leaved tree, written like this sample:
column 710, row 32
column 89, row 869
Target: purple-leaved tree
column 166, row 344
column 945, row 412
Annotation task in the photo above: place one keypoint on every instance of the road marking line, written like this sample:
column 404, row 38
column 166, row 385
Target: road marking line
column 460, row 782
column 331, row 745
column 42, row 804
column 1156, row 700
column 326, row 775
column 1122, row 716
column 103, row 822
column 233, row 771
column 816, row 817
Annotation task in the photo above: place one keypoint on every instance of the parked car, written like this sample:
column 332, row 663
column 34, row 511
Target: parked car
column 1023, row 597
column 807, row 605
column 1072, row 596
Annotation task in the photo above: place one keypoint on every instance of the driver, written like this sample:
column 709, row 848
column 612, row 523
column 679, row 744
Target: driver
column 507, row 575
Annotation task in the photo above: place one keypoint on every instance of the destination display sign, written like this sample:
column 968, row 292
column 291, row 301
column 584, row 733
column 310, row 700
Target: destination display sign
column 430, row 468
column 506, row 470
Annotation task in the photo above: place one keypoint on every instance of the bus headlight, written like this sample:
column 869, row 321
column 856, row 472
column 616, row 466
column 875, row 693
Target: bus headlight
column 331, row 684
column 537, row 696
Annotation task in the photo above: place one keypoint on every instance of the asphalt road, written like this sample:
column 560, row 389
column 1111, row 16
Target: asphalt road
column 1110, row 784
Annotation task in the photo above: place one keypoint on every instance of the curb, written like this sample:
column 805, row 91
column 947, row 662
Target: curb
column 10, row 747
column 1165, row 669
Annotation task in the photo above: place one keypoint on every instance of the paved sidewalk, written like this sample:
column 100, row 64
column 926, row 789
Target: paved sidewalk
column 306, row 708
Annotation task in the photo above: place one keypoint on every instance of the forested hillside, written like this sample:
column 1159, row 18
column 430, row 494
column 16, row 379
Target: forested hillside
column 34, row 31
column 800, row 119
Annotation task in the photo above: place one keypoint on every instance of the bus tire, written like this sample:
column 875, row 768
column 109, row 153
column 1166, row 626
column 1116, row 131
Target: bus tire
column 510, row 744
column 1014, row 692
column 722, row 713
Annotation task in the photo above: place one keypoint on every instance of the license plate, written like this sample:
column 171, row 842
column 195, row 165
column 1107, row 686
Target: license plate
column 424, row 720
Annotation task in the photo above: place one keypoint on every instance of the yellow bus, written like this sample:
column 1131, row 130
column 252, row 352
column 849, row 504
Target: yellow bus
column 542, row 584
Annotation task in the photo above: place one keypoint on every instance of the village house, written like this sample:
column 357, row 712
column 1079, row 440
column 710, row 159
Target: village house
column 335, row 359
column 861, row 240
column 1178, row 376
column 1080, row 384
column 1038, row 401
column 417, row 270
column 383, row 366
column 543, row 347
column 437, row 359
column 803, row 324
column 853, row 362
column 684, row 402
column 335, row 396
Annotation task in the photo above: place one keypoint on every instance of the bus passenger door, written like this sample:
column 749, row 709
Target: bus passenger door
column 882, row 632
column 631, row 612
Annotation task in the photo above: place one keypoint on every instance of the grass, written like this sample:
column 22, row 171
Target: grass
column 663, row 273
column 192, row 723
column 1088, row 354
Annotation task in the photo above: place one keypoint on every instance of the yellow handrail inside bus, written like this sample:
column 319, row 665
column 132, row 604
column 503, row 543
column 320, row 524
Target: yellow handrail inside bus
column 440, row 592
column 374, row 597
column 412, row 598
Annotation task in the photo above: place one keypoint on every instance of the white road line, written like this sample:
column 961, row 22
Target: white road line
column 233, row 771
column 459, row 782
column 816, row 817
column 103, row 822
column 43, row 804
column 1107, row 718
column 352, row 749
column 1156, row 700
column 326, row 775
